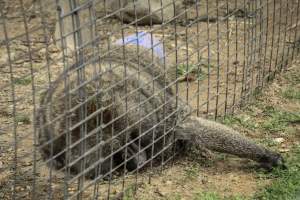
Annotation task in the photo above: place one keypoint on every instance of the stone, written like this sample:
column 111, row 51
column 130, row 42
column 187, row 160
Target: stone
column 278, row 140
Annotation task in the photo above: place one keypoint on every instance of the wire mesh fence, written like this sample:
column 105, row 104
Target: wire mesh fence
column 92, row 90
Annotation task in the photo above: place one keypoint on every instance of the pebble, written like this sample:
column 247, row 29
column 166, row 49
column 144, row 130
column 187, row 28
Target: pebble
column 278, row 140
column 283, row 150
column 169, row 182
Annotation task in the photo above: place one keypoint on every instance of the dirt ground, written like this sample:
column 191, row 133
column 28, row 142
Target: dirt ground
column 226, row 175
column 231, row 62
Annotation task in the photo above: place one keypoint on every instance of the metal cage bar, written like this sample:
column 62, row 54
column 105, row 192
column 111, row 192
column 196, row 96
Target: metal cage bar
column 92, row 90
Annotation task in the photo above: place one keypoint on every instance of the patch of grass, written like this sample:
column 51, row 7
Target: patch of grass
column 236, row 198
column 274, row 120
column 22, row 81
column 269, row 142
column 271, row 76
column 244, row 121
column 291, row 93
column 201, row 76
column 207, row 196
column 175, row 196
column 22, row 119
column 206, row 65
column 279, row 120
column 183, row 70
column 215, row 196
column 293, row 78
column 257, row 92
column 191, row 172
column 129, row 193
column 286, row 185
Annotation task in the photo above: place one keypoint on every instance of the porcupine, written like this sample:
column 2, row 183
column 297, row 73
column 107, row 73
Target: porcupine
column 127, row 113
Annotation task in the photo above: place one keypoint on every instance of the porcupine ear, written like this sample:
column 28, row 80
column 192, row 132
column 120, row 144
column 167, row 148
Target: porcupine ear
column 218, row 137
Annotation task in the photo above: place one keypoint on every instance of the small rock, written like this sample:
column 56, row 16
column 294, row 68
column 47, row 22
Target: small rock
column 19, row 188
column 3, row 59
column 42, row 51
column 283, row 150
column 22, row 48
column 20, row 61
column 279, row 140
column 53, row 49
column 71, row 189
column 27, row 65
column 169, row 182
column 114, row 191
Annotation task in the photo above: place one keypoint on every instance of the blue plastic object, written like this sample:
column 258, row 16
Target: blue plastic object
column 144, row 39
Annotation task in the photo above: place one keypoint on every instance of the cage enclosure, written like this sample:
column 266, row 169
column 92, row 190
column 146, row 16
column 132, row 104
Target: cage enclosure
column 92, row 91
